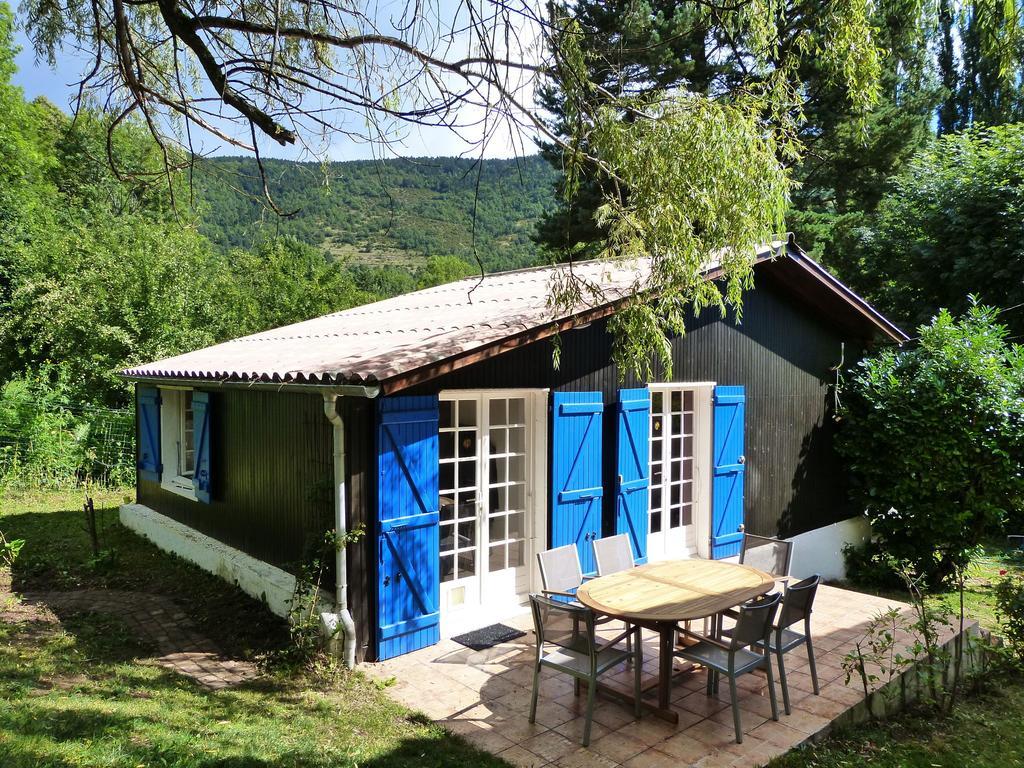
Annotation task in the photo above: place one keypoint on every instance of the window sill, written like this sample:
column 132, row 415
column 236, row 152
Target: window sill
column 182, row 486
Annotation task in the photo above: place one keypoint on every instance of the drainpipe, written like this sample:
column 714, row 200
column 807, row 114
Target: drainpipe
column 343, row 615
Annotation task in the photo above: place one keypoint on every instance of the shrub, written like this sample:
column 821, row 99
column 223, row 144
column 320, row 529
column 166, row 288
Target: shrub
column 1009, row 594
column 867, row 566
column 934, row 439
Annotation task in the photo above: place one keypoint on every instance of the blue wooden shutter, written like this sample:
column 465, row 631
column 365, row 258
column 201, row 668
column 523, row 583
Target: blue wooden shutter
column 408, row 578
column 576, row 488
column 148, row 463
column 633, row 481
column 201, row 440
column 727, row 487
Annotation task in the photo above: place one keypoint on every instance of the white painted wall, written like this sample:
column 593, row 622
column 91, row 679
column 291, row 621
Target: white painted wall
column 821, row 550
column 261, row 580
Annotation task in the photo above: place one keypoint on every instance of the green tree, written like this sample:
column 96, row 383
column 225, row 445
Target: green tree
column 952, row 224
column 934, row 438
column 439, row 270
column 284, row 281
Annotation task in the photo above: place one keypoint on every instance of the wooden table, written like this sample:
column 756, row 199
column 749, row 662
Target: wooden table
column 659, row 595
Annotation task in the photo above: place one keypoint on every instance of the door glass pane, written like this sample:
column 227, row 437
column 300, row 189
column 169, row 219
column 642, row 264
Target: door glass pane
column 457, row 454
column 467, row 413
column 496, row 410
column 496, row 558
column 517, row 411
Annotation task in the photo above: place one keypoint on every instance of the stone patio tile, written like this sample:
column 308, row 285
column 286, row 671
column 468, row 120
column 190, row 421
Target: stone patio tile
column 807, row 722
column 618, row 747
column 521, row 758
column 652, row 730
column 748, row 720
column 584, row 757
column 612, row 714
column 684, row 748
column 550, row 745
column 651, row 758
column 573, row 730
column 712, row 733
column 702, row 704
column 779, row 734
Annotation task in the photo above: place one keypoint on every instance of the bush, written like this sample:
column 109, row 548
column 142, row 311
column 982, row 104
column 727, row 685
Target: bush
column 934, row 439
column 867, row 566
column 1009, row 594
column 47, row 442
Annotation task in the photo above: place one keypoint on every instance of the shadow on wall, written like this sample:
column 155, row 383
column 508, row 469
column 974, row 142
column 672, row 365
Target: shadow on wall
column 819, row 470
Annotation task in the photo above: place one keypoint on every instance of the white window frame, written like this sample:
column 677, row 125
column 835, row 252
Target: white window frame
column 703, row 460
column 172, row 428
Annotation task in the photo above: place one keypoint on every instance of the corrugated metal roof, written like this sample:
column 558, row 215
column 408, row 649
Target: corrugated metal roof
column 391, row 338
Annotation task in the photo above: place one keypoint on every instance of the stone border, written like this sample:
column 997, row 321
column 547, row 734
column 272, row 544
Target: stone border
column 267, row 583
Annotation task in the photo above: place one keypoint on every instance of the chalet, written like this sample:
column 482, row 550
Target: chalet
column 438, row 422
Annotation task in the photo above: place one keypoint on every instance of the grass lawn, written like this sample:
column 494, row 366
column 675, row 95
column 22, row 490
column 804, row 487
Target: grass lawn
column 85, row 692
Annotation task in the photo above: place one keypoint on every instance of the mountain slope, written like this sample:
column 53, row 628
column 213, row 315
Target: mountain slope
column 393, row 211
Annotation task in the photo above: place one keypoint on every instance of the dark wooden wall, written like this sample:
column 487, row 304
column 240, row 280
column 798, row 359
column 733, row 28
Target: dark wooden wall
column 780, row 353
column 272, row 470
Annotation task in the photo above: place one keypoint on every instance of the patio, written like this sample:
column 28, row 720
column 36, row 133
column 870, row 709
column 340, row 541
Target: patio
column 484, row 696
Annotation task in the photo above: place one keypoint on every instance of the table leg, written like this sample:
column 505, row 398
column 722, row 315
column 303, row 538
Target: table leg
column 667, row 632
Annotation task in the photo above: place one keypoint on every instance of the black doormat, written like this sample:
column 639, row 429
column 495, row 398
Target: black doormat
column 487, row 637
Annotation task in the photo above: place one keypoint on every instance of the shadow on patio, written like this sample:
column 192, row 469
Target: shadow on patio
column 485, row 696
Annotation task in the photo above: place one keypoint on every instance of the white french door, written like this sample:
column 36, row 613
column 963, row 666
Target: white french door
column 680, row 452
column 487, row 453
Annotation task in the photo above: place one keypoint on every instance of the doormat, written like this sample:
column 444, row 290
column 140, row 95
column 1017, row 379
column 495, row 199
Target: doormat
column 488, row 637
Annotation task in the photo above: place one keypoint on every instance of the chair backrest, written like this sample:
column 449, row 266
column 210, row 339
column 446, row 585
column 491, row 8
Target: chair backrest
column 755, row 620
column 773, row 556
column 568, row 625
column 560, row 569
column 613, row 554
column 798, row 601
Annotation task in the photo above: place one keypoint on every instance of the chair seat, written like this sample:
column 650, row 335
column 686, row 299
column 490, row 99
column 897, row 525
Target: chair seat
column 790, row 639
column 578, row 661
column 717, row 658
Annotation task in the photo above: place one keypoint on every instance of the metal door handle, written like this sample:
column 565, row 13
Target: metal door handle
column 387, row 580
column 742, row 528
column 742, row 459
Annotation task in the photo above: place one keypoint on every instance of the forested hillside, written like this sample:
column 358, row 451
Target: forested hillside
column 394, row 212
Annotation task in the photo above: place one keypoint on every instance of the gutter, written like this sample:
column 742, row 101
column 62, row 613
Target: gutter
column 342, row 618
column 327, row 390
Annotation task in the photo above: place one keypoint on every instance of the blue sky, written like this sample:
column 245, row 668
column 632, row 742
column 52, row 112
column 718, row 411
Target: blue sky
column 59, row 85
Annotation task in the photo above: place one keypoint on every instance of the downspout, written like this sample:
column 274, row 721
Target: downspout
column 344, row 615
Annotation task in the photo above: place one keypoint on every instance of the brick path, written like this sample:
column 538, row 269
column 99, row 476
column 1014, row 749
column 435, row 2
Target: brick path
column 156, row 618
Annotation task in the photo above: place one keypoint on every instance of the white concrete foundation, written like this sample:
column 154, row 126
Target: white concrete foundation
column 261, row 580
column 821, row 550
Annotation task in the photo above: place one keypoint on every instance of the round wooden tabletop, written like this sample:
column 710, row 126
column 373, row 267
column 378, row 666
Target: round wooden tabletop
column 675, row 590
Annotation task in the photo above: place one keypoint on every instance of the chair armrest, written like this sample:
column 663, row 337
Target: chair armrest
column 557, row 594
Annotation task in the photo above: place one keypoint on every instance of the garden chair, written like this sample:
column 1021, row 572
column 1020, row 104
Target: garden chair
column 737, row 657
column 613, row 554
column 773, row 556
column 567, row 643
column 797, row 603
column 561, row 575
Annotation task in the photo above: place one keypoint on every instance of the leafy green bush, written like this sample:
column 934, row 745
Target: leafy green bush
column 47, row 441
column 934, row 439
column 868, row 566
column 1009, row 594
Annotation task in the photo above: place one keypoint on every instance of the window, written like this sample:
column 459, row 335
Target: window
column 178, row 441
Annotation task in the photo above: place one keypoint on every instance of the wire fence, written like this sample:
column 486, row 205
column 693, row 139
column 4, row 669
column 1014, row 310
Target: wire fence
column 43, row 446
